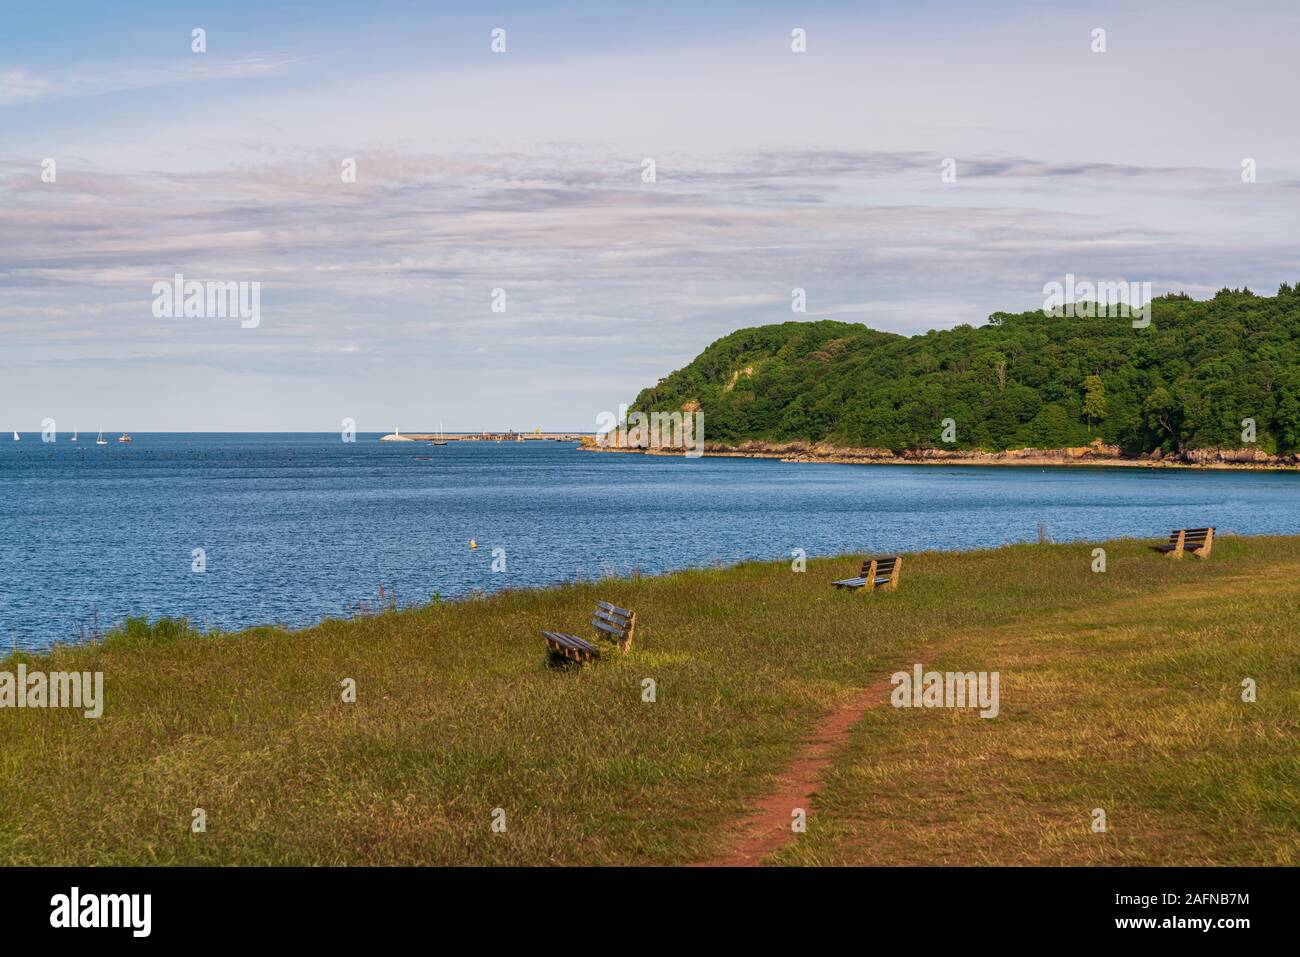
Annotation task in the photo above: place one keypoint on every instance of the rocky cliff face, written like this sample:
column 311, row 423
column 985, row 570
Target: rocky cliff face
column 1094, row 454
column 1243, row 456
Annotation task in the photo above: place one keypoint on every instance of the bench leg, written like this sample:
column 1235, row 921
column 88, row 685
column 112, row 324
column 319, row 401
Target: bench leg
column 893, row 578
column 871, row 578
column 1204, row 551
column 1178, row 546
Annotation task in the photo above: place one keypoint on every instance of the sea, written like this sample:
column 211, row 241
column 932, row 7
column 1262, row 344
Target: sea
column 232, row 530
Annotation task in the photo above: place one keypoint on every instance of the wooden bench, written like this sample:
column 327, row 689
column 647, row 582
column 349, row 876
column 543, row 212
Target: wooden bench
column 876, row 573
column 1198, row 541
column 610, row 621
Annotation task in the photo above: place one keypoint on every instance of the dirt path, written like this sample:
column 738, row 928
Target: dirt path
column 760, row 834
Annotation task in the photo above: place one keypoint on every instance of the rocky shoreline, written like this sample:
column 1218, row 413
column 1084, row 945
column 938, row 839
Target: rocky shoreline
column 1097, row 455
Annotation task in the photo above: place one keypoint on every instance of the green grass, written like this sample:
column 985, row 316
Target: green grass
column 1119, row 690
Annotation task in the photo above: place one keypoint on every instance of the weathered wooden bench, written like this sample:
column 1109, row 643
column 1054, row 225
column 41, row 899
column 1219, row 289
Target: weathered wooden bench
column 876, row 573
column 610, row 621
column 1198, row 541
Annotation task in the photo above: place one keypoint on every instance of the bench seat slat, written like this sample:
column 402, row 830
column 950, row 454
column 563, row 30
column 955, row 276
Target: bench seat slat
column 614, row 609
column 612, row 619
column 610, row 629
column 850, row 583
column 569, row 641
column 572, row 643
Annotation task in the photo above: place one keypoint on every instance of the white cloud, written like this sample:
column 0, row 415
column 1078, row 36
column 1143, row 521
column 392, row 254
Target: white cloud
column 20, row 86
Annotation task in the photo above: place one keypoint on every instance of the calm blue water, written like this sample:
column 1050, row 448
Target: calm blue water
column 298, row 526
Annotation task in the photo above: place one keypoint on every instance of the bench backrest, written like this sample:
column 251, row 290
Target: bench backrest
column 1191, row 536
column 884, row 566
column 614, row 623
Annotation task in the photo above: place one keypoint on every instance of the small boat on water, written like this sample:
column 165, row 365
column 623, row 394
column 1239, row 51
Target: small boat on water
column 74, row 435
column 124, row 438
column 16, row 439
column 100, row 440
column 440, row 440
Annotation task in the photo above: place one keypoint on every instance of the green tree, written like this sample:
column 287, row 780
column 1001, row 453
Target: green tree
column 1288, row 420
column 1050, row 428
column 1185, row 381
column 1163, row 416
column 1094, row 400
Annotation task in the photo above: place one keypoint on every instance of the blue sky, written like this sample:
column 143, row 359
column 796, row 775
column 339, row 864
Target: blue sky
column 522, row 171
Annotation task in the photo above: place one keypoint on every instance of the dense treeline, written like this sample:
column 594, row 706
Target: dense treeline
column 1185, row 382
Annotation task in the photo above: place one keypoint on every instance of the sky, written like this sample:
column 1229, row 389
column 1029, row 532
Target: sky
column 524, row 172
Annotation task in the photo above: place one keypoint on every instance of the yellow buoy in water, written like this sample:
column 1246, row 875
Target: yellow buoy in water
column 473, row 544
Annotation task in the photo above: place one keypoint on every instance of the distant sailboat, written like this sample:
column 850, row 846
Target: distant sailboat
column 100, row 440
column 16, row 439
column 440, row 440
column 74, row 435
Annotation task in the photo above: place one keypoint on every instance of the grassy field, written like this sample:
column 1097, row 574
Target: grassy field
column 1119, row 691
